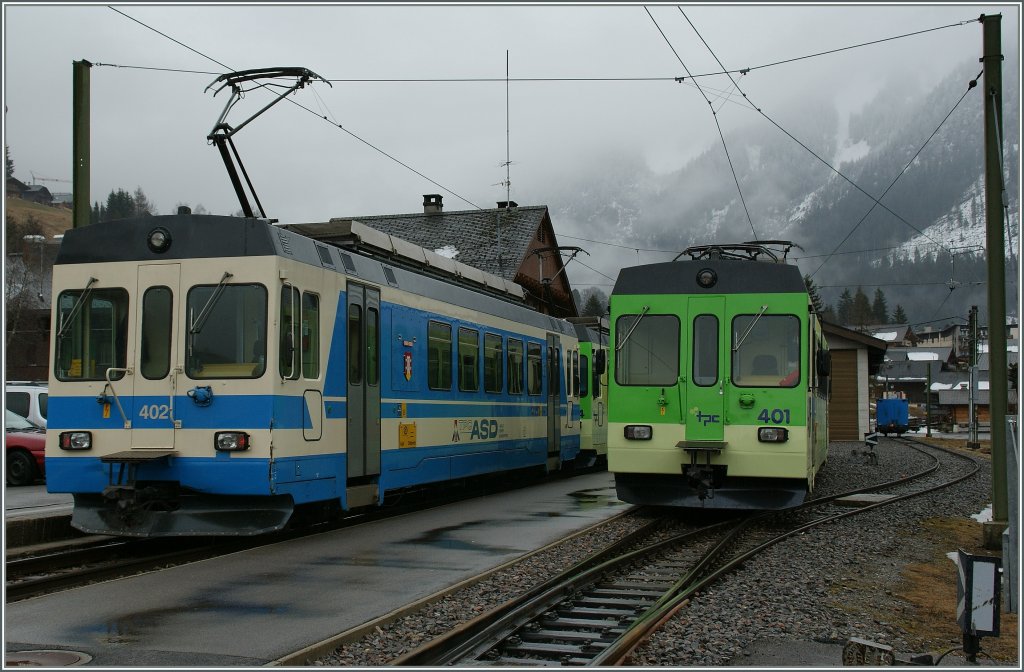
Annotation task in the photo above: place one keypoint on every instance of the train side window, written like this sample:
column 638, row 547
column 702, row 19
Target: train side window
column 705, row 350
column 769, row 352
column 439, row 356
column 469, row 359
column 515, row 366
column 372, row 346
column 226, row 329
column 155, row 345
column 648, row 349
column 492, row 363
column 534, row 368
column 555, row 374
column 310, row 335
column 584, row 375
column 598, row 357
column 92, row 334
column 290, row 339
column 576, row 373
column 355, row 344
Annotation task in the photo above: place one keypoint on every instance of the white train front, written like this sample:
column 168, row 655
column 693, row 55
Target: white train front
column 211, row 374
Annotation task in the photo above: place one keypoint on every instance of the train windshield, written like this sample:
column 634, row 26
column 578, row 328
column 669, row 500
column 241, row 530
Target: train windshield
column 230, row 341
column 769, row 355
column 650, row 355
column 92, row 334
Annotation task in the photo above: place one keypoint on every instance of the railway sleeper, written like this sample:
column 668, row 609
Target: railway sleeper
column 545, row 648
column 565, row 635
column 551, row 619
column 590, row 611
column 612, row 593
column 598, row 601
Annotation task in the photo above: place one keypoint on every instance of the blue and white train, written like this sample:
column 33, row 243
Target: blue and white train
column 211, row 374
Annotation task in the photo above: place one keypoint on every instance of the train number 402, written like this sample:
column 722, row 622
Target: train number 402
column 776, row 415
column 155, row 411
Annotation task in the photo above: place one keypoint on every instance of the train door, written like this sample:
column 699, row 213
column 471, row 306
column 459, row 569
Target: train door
column 705, row 380
column 156, row 360
column 554, row 402
column 363, row 321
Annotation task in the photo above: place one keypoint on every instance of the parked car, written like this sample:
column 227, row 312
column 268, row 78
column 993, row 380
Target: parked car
column 29, row 400
column 26, row 450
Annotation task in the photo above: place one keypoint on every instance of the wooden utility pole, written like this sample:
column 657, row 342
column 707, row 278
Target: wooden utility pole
column 995, row 200
column 80, row 133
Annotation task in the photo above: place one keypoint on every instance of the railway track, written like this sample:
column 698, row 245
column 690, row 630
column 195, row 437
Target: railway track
column 598, row 612
column 70, row 566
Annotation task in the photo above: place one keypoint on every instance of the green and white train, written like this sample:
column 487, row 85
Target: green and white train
column 718, row 396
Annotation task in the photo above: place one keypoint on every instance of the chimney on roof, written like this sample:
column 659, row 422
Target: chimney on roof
column 431, row 203
column 507, row 205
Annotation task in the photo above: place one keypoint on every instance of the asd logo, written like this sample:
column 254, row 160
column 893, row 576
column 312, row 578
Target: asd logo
column 484, row 429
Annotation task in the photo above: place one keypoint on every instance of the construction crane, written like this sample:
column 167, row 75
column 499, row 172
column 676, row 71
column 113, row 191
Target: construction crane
column 37, row 178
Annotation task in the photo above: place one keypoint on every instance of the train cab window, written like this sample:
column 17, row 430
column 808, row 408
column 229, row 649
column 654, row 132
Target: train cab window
column 310, row 350
column 534, row 368
column 768, row 352
column 92, row 334
column 492, row 363
column 372, row 346
column 705, row 350
column 226, row 331
column 515, row 366
column 439, row 356
column 290, row 333
column 584, row 376
column 648, row 349
column 155, row 344
column 469, row 360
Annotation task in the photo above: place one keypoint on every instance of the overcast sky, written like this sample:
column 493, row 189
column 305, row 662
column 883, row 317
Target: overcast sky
column 151, row 116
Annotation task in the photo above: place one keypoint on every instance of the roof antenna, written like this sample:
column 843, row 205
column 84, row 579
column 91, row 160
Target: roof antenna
column 223, row 132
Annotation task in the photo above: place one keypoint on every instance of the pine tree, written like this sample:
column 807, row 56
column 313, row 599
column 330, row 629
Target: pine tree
column 829, row 314
column 845, row 312
column 879, row 308
column 812, row 293
column 898, row 316
column 120, row 205
column 593, row 306
column 143, row 208
column 9, row 161
column 860, row 313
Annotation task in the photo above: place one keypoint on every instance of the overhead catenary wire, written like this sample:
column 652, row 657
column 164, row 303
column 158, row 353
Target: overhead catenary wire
column 714, row 115
column 876, row 201
column 313, row 112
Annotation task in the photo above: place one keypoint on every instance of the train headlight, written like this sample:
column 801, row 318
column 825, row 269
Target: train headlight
column 75, row 440
column 639, row 432
column 159, row 240
column 231, row 441
column 772, row 434
column 706, row 278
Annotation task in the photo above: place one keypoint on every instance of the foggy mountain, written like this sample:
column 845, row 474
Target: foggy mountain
column 926, row 255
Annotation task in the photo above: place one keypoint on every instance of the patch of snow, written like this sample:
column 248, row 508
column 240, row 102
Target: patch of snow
column 448, row 251
column 985, row 516
column 923, row 356
column 853, row 152
column 886, row 335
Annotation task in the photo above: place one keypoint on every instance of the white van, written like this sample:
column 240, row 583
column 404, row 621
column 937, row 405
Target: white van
column 28, row 399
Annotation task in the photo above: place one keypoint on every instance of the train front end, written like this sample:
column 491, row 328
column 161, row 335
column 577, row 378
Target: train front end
column 714, row 398
column 162, row 422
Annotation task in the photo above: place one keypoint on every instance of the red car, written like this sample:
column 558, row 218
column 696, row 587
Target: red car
column 26, row 450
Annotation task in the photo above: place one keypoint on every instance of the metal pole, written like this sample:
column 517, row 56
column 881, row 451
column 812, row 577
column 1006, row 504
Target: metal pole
column 993, row 62
column 80, row 131
column 928, row 404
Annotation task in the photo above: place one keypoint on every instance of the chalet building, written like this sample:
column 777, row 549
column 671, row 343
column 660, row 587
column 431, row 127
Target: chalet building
column 37, row 193
column 893, row 334
column 15, row 187
column 515, row 243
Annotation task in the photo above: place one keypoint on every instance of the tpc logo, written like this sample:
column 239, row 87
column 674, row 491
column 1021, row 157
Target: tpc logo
column 706, row 418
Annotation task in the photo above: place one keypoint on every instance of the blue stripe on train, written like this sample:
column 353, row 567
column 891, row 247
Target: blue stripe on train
column 255, row 411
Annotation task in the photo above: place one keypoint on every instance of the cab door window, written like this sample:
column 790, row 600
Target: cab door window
column 92, row 334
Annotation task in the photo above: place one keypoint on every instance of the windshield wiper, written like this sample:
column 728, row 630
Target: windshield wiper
column 204, row 314
column 67, row 322
column 633, row 328
column 749, row 329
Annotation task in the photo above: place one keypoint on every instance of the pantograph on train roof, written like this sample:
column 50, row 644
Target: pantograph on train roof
column 754, row 250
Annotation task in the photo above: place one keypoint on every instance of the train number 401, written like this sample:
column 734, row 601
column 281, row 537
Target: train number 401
column 776, row 416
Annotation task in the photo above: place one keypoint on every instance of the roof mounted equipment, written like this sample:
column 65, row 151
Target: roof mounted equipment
column 747, row 251
column 223, row 132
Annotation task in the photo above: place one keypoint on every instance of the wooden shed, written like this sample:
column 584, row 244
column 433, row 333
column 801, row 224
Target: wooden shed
column 855, row 358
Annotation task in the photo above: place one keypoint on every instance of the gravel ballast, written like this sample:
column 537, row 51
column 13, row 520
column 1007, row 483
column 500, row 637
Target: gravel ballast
column 815, row 587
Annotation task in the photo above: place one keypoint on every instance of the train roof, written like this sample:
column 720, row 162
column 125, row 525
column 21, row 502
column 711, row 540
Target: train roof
column 731, row 276
column 211, row 236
